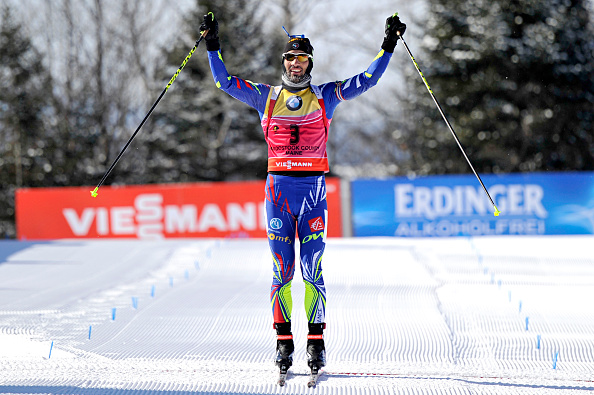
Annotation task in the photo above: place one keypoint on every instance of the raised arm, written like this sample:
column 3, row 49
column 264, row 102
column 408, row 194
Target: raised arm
column 360, row 83
column 252, row 94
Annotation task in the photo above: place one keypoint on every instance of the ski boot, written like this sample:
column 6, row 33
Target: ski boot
column 316, row 352
column 284, row 350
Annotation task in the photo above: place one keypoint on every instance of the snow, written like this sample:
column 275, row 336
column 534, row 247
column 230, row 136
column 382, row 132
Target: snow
column 485, row 315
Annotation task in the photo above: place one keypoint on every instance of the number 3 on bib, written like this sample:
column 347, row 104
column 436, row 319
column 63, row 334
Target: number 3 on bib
column 294, row 134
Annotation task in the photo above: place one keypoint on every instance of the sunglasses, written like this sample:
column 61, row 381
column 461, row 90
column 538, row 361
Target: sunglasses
column 302, row 57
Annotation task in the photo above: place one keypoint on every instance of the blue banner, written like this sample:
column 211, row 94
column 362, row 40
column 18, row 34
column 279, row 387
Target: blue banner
column 456, row 205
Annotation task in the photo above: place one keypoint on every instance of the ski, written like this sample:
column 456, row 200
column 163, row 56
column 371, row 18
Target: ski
column 284, row 350
column 282, row 376
column 316, row 352
column 314, row 376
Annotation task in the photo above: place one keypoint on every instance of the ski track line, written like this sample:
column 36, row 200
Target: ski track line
column 168, row 310
column 405, row 316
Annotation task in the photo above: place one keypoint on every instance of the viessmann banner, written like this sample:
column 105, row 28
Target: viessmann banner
column 530, row 204
column 234, row 209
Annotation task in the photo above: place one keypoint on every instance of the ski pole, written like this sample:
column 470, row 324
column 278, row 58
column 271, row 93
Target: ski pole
column 95, row 191
column 497, row 212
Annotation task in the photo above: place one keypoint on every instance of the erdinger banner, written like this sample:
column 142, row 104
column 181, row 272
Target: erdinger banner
column 530, row 204
column 234, row 209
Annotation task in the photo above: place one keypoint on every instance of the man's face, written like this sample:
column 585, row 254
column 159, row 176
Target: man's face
column 296, row 68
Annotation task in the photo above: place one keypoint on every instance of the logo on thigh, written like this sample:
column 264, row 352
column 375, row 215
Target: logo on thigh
column 316, row 224
column 313, row 236
column 276, row 223
column 285, row 239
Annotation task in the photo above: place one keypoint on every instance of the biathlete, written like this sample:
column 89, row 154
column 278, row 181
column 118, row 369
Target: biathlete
column 295, row 118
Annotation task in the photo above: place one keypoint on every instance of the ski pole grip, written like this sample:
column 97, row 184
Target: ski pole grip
column 397, row 31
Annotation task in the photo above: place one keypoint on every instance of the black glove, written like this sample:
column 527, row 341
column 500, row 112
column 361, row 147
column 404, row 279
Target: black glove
column 212, row 37
column 393, row 25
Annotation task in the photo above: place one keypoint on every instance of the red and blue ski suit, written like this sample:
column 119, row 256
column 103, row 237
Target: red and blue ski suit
column 295, row 125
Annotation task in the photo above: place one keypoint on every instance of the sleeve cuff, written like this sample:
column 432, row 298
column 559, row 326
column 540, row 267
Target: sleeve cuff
column 389, row 45
column 213, row 45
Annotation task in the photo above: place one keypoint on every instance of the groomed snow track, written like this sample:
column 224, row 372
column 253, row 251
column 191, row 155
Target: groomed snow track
column 488, row 315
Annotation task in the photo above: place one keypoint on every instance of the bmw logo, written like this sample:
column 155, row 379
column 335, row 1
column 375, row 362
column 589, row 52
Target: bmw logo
column 295, row 45
column 294, row 103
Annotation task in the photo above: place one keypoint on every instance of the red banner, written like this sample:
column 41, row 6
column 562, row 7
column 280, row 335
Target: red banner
column 218, row 209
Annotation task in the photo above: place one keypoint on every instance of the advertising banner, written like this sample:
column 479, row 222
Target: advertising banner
column 218, row 209
column 456, row 205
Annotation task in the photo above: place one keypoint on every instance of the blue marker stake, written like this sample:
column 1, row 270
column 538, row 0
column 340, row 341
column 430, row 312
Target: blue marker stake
column 153, row 289
column 538, row 342
column 113, row 314
column 527, row 319
column 135, row 302
column 555, row 357
column 51, row 348
column 171, row 281
column 90, row 329
column 197, row 265
column 520, row 307
column 187, row 275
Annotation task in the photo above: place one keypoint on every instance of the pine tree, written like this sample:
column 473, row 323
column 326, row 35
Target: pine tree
column 25, row 106
column 199, row 132
column 516, row 80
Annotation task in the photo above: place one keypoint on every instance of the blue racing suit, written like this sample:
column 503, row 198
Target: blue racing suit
column 296, row 199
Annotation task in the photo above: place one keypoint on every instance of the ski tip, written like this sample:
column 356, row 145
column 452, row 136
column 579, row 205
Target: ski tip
column 313, row 378
column 94, row 192
column 282, row 379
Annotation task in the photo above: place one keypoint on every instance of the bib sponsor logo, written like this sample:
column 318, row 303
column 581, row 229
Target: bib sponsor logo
column 290, row 164
column 276, row 223
column 294, row 103
column 316, row 224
